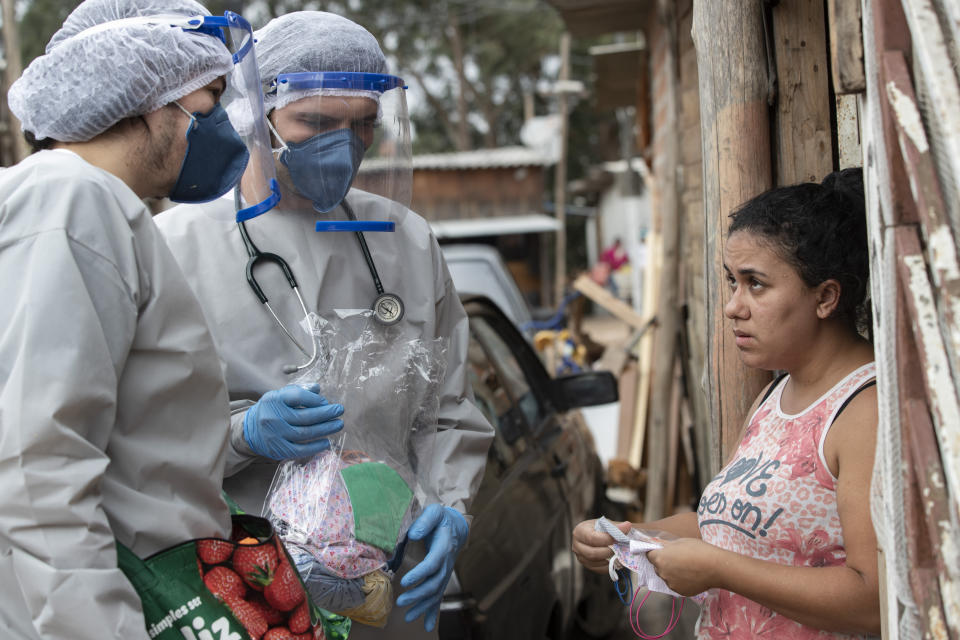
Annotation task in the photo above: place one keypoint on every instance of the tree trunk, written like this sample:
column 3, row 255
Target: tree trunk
column 462, row 140
column 11, row 45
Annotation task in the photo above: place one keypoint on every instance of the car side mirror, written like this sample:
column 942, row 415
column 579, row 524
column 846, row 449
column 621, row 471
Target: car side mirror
column 585, row 389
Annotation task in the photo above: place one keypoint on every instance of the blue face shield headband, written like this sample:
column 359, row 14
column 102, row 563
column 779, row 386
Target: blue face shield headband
column 215, row 158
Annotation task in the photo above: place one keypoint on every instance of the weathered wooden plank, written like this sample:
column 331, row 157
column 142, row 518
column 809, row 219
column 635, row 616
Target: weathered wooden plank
column 918, row 550
column 627, row 384
column 941, row 392
column 919, row 497
column 673, row 440
column 846, row 46
column 925, row 188
column 941, row 91
column 887, row 510
column 939, row 536
column 849, row 149
column 734, row 122
column 885, row 29
column 804, row 148
column 950, row 12
column 668, row 306
column 941, row 397
column 931, row 534
column 610, row 302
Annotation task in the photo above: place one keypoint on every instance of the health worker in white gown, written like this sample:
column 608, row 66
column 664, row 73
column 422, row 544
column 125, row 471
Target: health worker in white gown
column 341, row 137
column 113, row 404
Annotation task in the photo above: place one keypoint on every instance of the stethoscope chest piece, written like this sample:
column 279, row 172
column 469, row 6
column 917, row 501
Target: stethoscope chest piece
column 388, row 309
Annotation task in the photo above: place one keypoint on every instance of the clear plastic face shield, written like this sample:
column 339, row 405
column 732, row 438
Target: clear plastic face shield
column 243, row 96
column 335, row 131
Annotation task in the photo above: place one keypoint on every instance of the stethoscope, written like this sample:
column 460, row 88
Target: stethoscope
column 387, row 307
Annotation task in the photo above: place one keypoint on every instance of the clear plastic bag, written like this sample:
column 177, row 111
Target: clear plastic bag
column 344, row 511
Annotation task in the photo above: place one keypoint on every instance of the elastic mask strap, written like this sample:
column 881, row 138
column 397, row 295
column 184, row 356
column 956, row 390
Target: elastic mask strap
column 279, row 137
column 635, row 615
column 612, row 567
column 621, row 576
column 627, row 584
column 193, row 118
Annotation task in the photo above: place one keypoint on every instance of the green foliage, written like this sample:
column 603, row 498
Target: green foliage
column 497, row 47
column 38, row 24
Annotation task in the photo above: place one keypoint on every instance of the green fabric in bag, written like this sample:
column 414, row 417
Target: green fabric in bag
column 380, row 498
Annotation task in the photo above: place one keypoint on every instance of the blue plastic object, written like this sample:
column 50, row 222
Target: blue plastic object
column 355, row 225
column 625, row 579
column 340, row 80
column 261, row 207
column 557, row 320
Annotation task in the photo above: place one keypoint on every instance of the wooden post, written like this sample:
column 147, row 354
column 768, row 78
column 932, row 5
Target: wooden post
column 804, row 149
column 11, row 46
column 560, row 177
column 735, row 125
column 846, row 46
column 668, row 312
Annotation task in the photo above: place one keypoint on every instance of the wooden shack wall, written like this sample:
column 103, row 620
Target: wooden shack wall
column 692, row 262
column 454, row 194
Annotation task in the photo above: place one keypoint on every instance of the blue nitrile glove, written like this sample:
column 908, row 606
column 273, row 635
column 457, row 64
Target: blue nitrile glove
column 444, row 531
column 291, row 423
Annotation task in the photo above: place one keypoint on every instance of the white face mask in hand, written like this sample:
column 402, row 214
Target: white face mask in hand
column 630, row 552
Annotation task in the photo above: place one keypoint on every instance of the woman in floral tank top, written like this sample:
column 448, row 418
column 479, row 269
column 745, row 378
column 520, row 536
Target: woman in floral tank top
column 782, row 539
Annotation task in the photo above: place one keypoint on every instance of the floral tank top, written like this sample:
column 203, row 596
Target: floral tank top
column 776, row 501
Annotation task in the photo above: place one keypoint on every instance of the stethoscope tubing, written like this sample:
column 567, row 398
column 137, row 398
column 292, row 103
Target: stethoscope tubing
column 255, row 257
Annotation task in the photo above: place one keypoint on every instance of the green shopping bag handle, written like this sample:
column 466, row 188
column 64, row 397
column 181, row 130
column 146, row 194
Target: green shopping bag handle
column 176, row 604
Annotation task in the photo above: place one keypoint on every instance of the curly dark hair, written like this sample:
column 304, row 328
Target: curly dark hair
column 37, row 145
column 820, row 229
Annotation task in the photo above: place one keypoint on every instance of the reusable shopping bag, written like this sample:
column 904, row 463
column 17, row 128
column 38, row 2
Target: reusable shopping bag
column 245, row 588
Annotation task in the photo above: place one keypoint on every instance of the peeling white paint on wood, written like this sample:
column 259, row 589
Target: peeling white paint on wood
column 940, row 386
column 848, row 132
column 943, row 252
column 931, row 54
column 949, row 591
column 908, row 115
column 936, row 480
column 938, row 630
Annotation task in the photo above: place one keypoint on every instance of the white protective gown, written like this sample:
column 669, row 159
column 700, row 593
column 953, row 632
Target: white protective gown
column 111, row 401
column 332, row 274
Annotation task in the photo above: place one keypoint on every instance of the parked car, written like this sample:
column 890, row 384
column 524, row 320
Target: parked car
column 478, row 269
column 517, row 576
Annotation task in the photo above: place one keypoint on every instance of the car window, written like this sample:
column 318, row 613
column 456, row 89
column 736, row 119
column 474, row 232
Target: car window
column 509, row 373
column 492, row 397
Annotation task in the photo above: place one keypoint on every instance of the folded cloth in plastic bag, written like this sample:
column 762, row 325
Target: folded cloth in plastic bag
column 300, row 492
column 630, row 551
column 347, row 509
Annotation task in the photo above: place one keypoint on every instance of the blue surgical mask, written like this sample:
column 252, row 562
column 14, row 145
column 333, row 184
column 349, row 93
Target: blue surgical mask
column 323, row 167
column 215, row 159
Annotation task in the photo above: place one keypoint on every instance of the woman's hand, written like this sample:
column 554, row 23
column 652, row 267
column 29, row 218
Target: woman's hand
column 687, row 565
column 593, row 547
